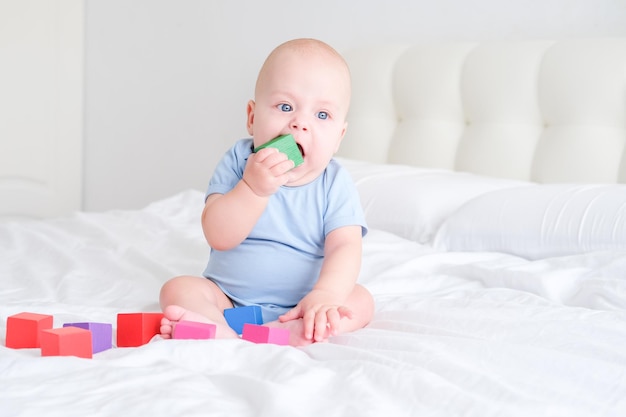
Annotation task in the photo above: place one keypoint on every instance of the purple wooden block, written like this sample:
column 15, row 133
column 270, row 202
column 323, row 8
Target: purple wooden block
column 101, row 334
column 263, row 334
column 185, row 329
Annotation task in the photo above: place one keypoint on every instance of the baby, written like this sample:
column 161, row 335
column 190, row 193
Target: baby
column 287, row 239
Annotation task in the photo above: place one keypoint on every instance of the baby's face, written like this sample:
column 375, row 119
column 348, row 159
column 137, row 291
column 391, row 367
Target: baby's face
column 307, row 95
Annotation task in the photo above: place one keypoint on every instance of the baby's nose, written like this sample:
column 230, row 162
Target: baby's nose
column 298, row 124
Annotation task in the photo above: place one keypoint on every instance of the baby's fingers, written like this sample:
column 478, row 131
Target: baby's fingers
column 321, row 325
column 334, row 318
column 309, row 321
column 276, row 161
column 293, row 314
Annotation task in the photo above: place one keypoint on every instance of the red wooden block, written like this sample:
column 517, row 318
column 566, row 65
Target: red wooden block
column 23, row 329
column 66, row 341
column 194, row 330
column 136, row 329
column 263, row 334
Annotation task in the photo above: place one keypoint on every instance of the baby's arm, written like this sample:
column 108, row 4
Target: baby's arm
column 228, row 218
column 340, row 270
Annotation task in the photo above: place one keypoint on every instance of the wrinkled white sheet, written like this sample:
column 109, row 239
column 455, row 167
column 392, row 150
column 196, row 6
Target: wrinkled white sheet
column 455, row 334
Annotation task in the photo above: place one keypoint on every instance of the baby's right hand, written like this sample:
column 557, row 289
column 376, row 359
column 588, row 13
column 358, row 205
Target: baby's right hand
column 267, row 170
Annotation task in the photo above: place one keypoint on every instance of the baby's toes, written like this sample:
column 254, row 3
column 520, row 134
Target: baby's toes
column 166, row 331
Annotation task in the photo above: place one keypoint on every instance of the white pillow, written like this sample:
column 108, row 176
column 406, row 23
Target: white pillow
column 539, row 221
column 413, row 202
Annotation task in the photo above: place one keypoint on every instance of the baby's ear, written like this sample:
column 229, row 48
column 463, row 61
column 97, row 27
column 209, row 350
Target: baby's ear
column 250, row 116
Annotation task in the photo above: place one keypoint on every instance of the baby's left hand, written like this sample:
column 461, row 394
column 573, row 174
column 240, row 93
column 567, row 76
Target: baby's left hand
column 320, row 316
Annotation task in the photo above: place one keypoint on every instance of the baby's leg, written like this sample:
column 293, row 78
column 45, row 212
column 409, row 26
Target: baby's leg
column 361, row 302
column 194, row 299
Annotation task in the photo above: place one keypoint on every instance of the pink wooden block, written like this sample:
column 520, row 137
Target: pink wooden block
column 23, row 329
column 66, row 341
column 263, row 334
column 185, row 329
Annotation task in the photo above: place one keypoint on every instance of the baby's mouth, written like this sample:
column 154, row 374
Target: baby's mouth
column 300, row 149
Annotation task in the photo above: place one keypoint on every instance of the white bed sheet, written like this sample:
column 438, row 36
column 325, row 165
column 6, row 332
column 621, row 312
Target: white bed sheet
column 455, row 333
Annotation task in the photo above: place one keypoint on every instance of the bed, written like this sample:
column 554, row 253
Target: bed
column 493, row 180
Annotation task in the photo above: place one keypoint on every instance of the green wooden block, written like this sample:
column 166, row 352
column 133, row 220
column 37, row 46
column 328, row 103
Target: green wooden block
column 287, row 145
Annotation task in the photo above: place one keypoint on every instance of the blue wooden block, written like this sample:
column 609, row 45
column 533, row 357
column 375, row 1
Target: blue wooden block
column 238, row 316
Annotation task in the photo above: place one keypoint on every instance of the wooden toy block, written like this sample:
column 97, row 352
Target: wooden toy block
column 101, row 334
column 185, row 329
column 287, row 145
column 238, row 316
column 263, row 334
column 24, row 329
column 66, row 341
column 136, row 329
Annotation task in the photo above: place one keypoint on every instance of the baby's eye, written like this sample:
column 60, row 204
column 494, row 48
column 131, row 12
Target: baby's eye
column 285, row 107
column 322, row 115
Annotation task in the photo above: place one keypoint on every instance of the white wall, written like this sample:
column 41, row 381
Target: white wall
column 167, row 81
column 41, row 107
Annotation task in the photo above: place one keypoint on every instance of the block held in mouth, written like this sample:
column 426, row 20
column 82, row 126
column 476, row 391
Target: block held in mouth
column 287, row 145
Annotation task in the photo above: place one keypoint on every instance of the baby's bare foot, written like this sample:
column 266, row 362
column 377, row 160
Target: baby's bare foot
column 173, row 314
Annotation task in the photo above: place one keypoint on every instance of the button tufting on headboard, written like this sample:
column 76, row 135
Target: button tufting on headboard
column 546, row 111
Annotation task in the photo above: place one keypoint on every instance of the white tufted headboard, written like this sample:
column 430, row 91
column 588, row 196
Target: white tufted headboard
column 545, row 111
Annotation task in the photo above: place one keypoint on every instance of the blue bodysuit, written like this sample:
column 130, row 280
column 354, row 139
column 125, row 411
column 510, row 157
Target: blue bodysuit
column 280, row 261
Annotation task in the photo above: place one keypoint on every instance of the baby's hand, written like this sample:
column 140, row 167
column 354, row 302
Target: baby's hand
column 267, row 170
column 320, row 320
